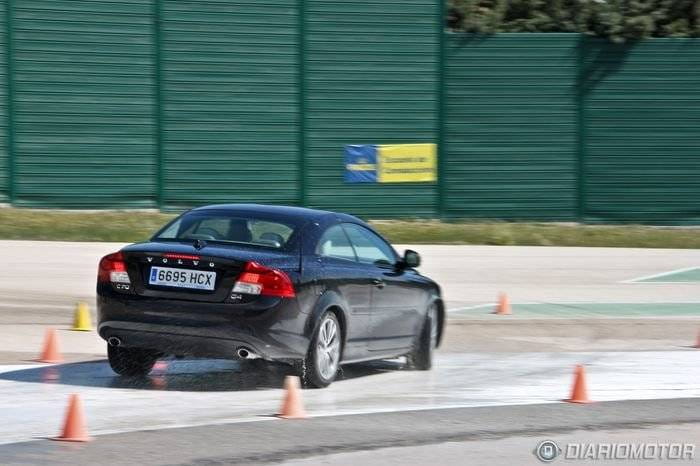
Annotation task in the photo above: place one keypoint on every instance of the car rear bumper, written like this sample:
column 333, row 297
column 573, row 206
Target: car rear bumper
column 199, row 329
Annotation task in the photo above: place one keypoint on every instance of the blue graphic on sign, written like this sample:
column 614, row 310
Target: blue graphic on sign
column 153, row 274
column 361, row 163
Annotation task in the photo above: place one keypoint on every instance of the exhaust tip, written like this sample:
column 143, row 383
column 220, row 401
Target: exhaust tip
column 114, row 341
column 245, row 353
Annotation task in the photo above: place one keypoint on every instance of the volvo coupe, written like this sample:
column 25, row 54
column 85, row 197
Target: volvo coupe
column 310, row 288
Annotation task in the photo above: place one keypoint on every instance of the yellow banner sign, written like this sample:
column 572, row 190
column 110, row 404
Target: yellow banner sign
column 407, row 163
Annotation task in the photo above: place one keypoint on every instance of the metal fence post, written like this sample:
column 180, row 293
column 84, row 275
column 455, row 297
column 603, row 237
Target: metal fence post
column 441, row 96
column 301, row 67
column 9, row 69
column 158, row 103
column 582, row 134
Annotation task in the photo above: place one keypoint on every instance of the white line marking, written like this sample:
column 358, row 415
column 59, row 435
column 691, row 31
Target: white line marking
column 272, row 417
column 592, row 313
column 478, row 306
column 582, row 318
column 661, row 283
column 578, row 303
column 428, row 408
column 659, row 275
column 215, row 422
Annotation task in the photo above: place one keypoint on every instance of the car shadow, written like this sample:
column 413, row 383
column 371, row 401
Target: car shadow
column 192, row 375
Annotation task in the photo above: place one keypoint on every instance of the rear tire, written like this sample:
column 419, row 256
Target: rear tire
column 322, row 362
column 421, row 357
column 131, row 361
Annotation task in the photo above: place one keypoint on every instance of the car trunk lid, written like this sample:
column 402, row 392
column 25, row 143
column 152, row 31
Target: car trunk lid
column 145, row 260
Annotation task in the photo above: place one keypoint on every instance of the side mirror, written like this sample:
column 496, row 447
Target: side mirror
column 411, row 259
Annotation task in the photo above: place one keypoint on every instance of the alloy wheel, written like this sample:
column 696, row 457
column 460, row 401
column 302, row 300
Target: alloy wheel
column 328, row 348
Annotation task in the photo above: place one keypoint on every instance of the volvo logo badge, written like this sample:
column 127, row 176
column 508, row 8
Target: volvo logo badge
column 165, row 261
column 211, row 264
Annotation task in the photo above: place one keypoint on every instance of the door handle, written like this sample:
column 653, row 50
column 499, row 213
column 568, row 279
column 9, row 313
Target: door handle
column 378, row 283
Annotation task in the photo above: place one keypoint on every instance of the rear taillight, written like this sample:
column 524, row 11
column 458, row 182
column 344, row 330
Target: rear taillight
column 112, row 268
column 258, row 279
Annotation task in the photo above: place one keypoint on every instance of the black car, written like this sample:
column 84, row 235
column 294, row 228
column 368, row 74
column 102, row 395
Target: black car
column 310, row 288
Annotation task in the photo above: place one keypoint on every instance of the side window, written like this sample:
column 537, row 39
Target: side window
column 369, row 247
column 334, row 243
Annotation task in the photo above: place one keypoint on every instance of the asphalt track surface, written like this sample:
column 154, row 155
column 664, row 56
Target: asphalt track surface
column 495, row 390
column 275, row 441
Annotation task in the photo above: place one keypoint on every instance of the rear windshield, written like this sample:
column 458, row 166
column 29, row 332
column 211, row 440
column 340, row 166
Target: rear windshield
column 224, row 227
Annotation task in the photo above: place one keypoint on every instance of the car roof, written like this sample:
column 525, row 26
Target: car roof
column 287, row 211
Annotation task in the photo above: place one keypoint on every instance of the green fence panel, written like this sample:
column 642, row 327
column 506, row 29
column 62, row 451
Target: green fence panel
column 4, row 159
column 511, row 126
column 83, row 103
column 144, row 103
column 230, row 101
column 642, row 107
column 371, row 71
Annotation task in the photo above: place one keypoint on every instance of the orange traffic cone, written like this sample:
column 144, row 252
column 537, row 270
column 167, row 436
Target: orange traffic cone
column 503, row 307
column 292, row 407
column 74, row 429
column 579, row 393
column 50, row 352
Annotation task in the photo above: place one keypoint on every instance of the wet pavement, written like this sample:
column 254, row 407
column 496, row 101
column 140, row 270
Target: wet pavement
column 198, row 392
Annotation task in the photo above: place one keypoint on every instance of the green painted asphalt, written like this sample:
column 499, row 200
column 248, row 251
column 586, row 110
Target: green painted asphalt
column 692, row 275
column 583, row 310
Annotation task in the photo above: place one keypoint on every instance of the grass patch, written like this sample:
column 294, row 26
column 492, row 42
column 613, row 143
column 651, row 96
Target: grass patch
column 131, row 226
column 539, row 234
column 117, row 226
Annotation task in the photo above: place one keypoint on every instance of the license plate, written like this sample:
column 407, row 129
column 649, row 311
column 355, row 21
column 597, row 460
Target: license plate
column 182, row 278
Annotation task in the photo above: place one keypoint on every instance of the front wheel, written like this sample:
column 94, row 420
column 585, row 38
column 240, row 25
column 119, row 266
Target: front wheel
column 131, row 361
column 321, row 364
column 421, row 357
